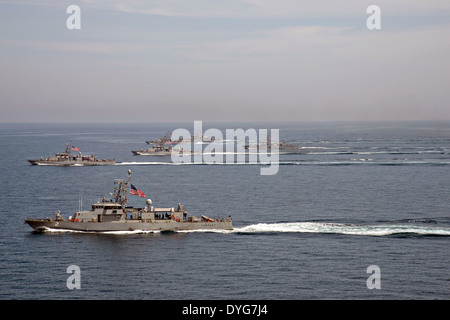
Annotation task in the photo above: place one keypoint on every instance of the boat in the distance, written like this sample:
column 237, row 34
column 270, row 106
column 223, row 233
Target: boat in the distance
column 270, row 143
column 115, row 215
column 168, row 139
column 67, row 158
column 282, row 146
column 157, row 150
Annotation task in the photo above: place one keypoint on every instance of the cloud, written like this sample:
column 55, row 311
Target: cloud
column 128, row 8
column 176, row 8
column 266, row 8
column 76, row 47
column 255, row 8
column 272, row 44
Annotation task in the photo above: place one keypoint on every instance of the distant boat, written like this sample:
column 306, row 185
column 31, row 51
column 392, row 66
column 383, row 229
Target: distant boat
column 168, row 139
column 269, row 144
column 66, row 158
column 154, row 151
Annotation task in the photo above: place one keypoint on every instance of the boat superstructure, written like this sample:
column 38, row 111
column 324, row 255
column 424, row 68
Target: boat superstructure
column 115, row 215
column 164, row 146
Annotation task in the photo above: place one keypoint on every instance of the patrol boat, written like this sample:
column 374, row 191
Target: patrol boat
column 168, row 138
column 66, row 158
column 158, row 150
column 269, row 144
column 115, row 215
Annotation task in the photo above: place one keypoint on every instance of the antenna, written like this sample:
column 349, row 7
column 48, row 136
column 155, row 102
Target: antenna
column 80, row 202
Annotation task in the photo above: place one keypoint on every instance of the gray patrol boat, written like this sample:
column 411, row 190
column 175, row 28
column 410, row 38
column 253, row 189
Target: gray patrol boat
column 158, row 150
column 169, row 139
column 165, row 139
column 115, row 215
column 66, row 158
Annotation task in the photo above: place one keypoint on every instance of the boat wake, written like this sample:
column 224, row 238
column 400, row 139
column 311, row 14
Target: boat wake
column 145, row 163
column 362, row 161
column 396, row 230
column 379, row 230
column 125, row 232
column 346, row 229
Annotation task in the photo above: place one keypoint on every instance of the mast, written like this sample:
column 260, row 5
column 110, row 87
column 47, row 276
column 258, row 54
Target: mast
column 120, row 192
column 69, row 149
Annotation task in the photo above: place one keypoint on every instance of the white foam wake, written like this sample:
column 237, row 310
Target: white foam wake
column 350, row 229
column 305, row 227
column 353, row 161
column 125, row 232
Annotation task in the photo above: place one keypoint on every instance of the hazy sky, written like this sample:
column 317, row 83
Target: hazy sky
column 224, row 60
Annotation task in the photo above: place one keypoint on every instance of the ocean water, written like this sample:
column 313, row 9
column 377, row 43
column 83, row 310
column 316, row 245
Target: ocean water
column 356, row 195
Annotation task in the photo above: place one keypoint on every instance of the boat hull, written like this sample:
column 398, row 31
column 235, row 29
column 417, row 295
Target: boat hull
column 41, row 225
column 156, row 153
column 71, row 163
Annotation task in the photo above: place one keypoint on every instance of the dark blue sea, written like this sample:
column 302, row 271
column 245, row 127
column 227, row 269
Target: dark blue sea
column 356, row 195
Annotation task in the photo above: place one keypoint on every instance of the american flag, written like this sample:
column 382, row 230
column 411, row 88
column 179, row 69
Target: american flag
column 75, row 149
column 136, row 192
